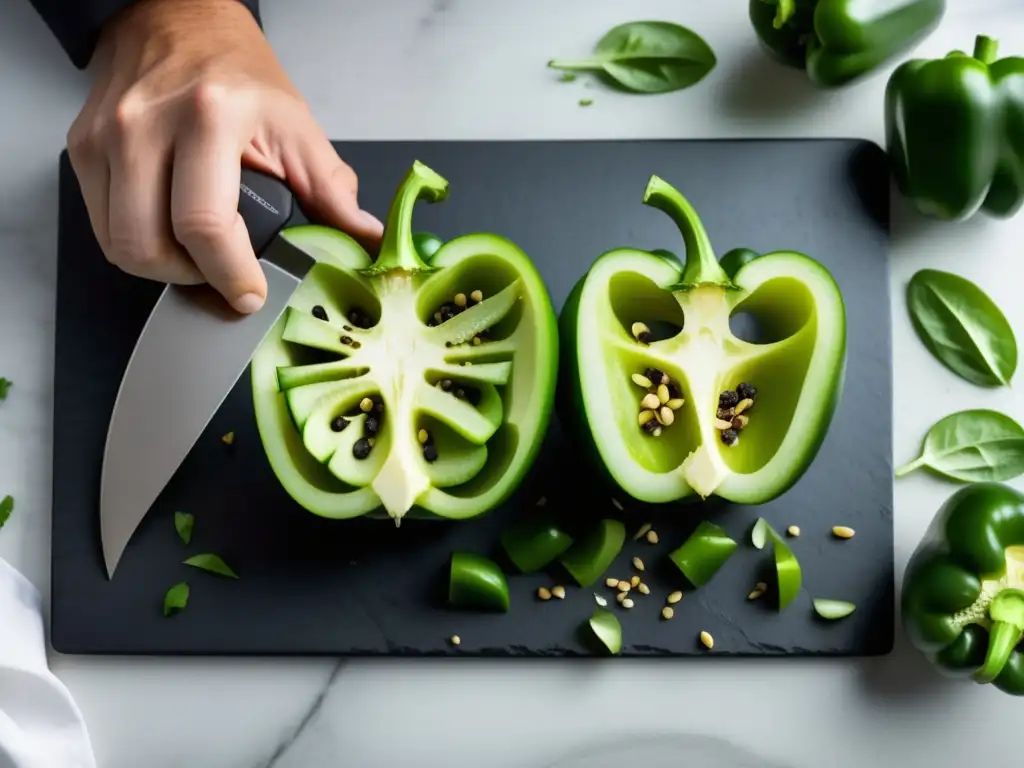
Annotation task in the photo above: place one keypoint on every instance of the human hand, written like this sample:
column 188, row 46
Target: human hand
column 185, row 92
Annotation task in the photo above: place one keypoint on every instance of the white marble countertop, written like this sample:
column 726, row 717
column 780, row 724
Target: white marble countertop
column 462, row 69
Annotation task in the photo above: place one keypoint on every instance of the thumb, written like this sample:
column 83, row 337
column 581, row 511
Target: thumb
column 328, row 189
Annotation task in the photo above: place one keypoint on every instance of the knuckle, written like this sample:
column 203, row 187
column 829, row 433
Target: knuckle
column 204, row 226
column 81, row 140
column 128, row 114
column 343, row 177
column 209, row 99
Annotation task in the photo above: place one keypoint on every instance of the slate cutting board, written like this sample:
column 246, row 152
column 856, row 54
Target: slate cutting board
column 313, row 586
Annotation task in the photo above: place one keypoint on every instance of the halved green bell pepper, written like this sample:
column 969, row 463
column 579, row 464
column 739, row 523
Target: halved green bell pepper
column 955, row 133
column 396, row 386
column 691, row 409
column 962, row 601
column 838, row 41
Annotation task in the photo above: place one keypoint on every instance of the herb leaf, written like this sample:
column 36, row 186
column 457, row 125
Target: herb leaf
column 5, row 387
column 184, row 522
column 211, row 563
column 972, row 446
column 962, row 327
column 176, row 598
column 6, row 507
column 648, row 57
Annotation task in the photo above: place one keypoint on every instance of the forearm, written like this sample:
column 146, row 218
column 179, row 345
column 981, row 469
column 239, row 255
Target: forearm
column 77, row 23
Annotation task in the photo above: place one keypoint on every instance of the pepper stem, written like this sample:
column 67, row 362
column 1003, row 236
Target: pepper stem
column 986, row 49
column 701, row 266
column 786, row 9
column 1007, row 613
column 398, row 250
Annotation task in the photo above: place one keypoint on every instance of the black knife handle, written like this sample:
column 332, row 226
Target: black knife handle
column 266, row 205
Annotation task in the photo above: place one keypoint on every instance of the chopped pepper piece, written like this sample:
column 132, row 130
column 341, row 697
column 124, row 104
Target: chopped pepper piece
column 694, row 410
column 962, row 604
column 606, row 628
column 588, row 559
column 476, row 582
column 533, row 544
column 954, row 133
column 703, row 553
column 839, row 41
column 388, row 387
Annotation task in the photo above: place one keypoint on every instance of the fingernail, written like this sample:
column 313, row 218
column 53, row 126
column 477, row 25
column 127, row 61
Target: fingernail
column 249, row 303
column 371, row 222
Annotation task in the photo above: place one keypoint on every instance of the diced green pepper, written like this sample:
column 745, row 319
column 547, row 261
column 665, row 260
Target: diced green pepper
column 592, row 555
column 533, row 544
column 703, row 553
column 606, row 628
column 477, row 582
column 787, row 570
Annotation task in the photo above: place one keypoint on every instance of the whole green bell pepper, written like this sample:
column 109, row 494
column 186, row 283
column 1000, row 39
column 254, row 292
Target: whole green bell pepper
column 838, row 41
column 396, row 386
column 667, row 400
column 962, row 600
column 955, row 133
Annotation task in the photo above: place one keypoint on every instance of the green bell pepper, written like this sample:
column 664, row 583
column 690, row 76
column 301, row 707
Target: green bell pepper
column 394, row 386
column 962, row 601
column 838, row 41
column 476, row 582
column 590, row 556
column 667, row 400
column 703, row 553
column 534, row 543
column 955, row 133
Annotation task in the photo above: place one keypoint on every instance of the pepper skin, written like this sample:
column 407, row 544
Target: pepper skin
column 457, row 402
column 839, row 41
column 962, row 601
column 606, row 399
column 476, row 582
column 955, row 133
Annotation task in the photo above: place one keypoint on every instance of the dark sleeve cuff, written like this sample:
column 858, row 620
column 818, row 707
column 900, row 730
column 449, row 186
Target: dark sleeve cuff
column 77, row 23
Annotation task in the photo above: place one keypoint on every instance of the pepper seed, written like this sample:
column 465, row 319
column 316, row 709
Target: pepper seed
column 346, row 340
column 721, row 424
column 460, row 300
column 643, row 589
column 645, row 417
column 623, row 586
column 743, row 405
column 666, row 415
column 641, row 381
column 355, row 345
column 675, row 597
column 640, row 332
column 641, row 531
column 728, row 399
column 320, row 313
column 729, row 436
column 430, row 453
column 423, row 436
column 338, row 423
column 611, row 581
column 558, row 591
column 634, row 581
column 662, row 393
column 725, row 414
column 346, row 327
column 656, row 376
column 667, row 613
column 762, row 586
column 544, row 593
column 755, row 594
column 361, row 449
column 372, row 425
column 638, row 563
column 793, row 530
column 620, row 597
column 455, row 639
column 746, row 391
column 740, row 422
column 371, row 441
column 652, row 537
column 627, row 603
column 707, row 640
column 477, row 296
column 657, row 430
column 446, row 384
column 617, row 504
column 651, row 402
column 675, row 403
column 477, row 341
column 842, row 532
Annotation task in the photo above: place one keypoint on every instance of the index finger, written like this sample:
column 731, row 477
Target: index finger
column 204, row 212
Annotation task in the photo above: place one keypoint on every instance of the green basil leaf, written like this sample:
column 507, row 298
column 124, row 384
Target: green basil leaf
column 211, row 563
column 648, row 57
column 176, row 598
column 6, row 508
column 962, row 327
column 184, row 522
column 972, row 446
column 5, row 387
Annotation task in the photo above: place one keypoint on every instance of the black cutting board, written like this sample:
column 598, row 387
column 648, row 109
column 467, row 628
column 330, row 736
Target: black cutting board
column 314, row 586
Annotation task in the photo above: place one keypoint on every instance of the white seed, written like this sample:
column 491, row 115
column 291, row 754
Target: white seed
column 437, row 317
column 620, row 597
column 638, row 330
column 842, row 531
column 676, row 403
column 652, row 537
column 645, row 416
column 544, row 593
column 740, row 422
column 422, row 436
column 666, row 415
column 456, row 639
column 667, row 612
column 643, row 589
column 762, row 586
column 755, row 594
column 600, row 600
column 617, row 504
column 675, row 597
column 707, row 639
column 366, row 405
column 627, row 603
column 722, row 424
column 477, row 296
column 370, row 441
column 477, row 341
column 638, row 563
column 650, row 402
column 641, row 381
column 742, row 405
column 558, row 592
column 612, row 582
column 793, row 530
column 623, row 586
column 642, row 532
column 460, row 299
column 663, row 393
column 656, row 432
column 635, row 581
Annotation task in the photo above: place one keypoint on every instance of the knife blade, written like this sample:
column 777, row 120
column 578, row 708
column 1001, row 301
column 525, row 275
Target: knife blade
column 191, row 352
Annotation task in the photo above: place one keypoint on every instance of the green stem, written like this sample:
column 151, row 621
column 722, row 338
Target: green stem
column 701, row 266
column 1007, row 613
column 398, row 250
column 785, row 12
column 576, row 65
column 985, row 49
column 910, row 466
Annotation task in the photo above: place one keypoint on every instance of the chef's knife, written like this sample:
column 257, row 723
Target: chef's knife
column 191, row 352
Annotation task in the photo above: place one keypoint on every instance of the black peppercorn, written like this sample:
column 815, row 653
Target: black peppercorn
column 319, row 312
column 338, row 423
column 655, row 376
column 746, row 391
column 446, row 384
column 372, row 426
column 346, row 340
column 361, row 449
column 650, row 426
column 728, row 399
column 430, row 452
column 729, row 436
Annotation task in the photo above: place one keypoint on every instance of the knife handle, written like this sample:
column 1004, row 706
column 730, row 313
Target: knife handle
column 266, row 205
